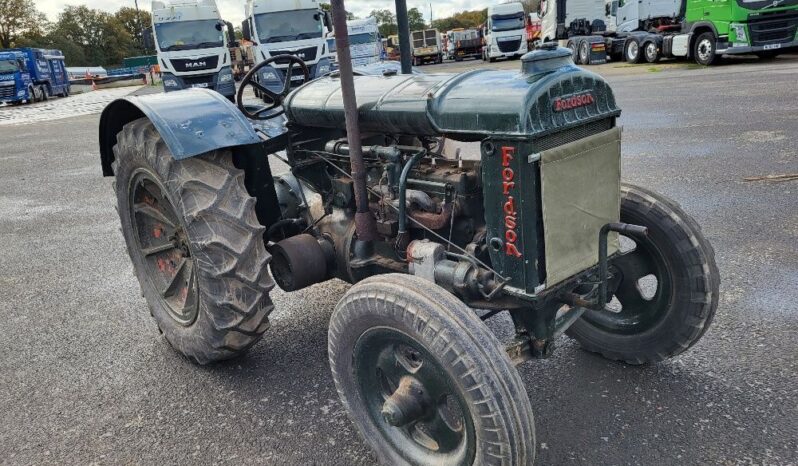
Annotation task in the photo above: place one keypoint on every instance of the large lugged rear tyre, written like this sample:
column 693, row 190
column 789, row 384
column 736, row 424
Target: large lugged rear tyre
column 195, row 243
column 654, row 325
column 424, row 380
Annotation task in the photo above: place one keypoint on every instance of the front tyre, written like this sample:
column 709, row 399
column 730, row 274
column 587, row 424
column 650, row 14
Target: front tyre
column 195, row 243
column 424, row 380
column 666, row 286
column 704, row 49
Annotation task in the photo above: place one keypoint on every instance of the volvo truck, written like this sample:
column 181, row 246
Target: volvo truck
column 505, row 32
column 192, row 44
column 647, row 30
column 32, row 75
column 288, row 27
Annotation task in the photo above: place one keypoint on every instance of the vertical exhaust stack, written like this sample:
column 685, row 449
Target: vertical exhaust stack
column 364, row 221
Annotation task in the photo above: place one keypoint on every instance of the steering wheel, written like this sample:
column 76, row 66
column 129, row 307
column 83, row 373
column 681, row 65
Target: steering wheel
column 275, row 97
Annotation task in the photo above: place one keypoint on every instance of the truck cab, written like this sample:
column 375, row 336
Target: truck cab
column 288, row 27
column 32, row 75
column 191, row 43
column 505, row 32
column 365, row 42
column 762, row 27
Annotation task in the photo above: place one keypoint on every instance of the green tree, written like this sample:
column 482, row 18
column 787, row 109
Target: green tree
column 386, row 22
column 17, row 18
column 328, row 7
column 134, row 22
column 416, row 19
column 463, row 19
column 102, row 37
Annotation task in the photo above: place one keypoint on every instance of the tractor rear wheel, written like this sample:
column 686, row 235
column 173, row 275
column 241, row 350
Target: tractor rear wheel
column 424, row 380
column 195, row 243
column 665, row 286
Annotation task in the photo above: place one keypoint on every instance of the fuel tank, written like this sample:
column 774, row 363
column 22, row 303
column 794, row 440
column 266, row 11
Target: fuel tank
column 548, row 94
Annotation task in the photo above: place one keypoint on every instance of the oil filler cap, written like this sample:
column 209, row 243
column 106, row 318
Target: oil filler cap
column 547, row 57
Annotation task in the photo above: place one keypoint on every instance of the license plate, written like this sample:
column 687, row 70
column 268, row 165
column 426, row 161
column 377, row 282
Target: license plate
column 297, row 77
column 772, row 46
column 200, row 85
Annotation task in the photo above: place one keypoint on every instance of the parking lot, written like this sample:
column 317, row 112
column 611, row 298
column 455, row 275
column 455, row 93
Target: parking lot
column 87, row 379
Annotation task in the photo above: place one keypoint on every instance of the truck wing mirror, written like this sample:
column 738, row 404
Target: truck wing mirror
column 231, row 35
column 606, row 9
column 147, row 38
column 245, row 32
column 219, row 25
column 328, row 21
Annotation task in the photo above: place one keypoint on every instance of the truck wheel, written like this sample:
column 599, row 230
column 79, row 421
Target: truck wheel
column 424, row 380
column 667, row 286
column 574, row 55
column 584, row 53
column 631, row 51
column 195, row 243
column 44, row 93
column 704, row 49
column 651, row 52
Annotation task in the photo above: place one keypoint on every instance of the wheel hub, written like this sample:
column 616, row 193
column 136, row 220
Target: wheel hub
column 163, row 247
column 407, row 404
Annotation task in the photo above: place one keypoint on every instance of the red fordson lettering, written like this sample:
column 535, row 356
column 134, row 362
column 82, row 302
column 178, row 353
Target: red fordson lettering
column 570, row 102
column 510, row 212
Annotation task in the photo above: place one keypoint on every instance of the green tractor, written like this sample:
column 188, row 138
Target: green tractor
column 538, row 226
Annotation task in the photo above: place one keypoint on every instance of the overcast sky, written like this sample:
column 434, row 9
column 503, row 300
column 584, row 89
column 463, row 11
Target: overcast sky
column 233, row 10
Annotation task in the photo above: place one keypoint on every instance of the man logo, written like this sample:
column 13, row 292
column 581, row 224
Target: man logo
column 196, row 64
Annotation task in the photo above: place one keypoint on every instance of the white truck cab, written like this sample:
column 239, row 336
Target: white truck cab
column 365, row 43
column 505, row 31
column 288, row 27
column 192, row 47
column 557, row 16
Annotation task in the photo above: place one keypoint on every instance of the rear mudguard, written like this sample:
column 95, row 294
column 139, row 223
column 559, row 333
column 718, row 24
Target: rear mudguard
column 191, row 122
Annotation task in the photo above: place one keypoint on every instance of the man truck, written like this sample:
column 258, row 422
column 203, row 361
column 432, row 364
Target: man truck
column 505, row 32
column 192, row 47
column 365, row 43
column 32, row 75
column 702, row 30
column 288, row 27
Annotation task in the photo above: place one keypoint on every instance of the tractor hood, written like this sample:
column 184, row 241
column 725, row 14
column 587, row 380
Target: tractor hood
column 549, row 94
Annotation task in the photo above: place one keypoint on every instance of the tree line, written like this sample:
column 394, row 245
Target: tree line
column 86, row 36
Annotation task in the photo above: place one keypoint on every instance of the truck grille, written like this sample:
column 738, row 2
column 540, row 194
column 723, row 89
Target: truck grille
column 6, row 92
column 194, row 80
column 508, row 46
column 773, row 29
column 194, row 64
column 306, row 54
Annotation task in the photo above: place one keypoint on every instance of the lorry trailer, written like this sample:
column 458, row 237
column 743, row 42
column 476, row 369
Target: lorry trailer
column 427, row 47
column 191, row 45
column 702, row 30
column 463, row 43
column 32, row 75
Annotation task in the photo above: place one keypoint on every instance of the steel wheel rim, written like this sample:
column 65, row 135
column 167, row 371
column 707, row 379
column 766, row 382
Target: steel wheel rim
column 163, row 248
column 651, row 51
column 444, row 434
column 639, row 312
column 632, row 50
column 704, row 49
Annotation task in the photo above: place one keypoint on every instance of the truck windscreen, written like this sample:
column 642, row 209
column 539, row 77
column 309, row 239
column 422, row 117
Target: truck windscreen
column 508, row 22
column 284, row 26
column 9, row 66
column 765, row 4
column 356, row 39
column 188, row 35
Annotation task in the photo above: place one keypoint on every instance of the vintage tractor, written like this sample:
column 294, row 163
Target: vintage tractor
column 539, row 226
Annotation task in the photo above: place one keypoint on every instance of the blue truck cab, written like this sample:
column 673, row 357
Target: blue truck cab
column 32, row 75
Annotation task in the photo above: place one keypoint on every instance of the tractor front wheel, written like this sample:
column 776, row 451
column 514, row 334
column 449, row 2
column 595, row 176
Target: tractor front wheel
column 665, row 286
column 424, row 380
column 195, row 243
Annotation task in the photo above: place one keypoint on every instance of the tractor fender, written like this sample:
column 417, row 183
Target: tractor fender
column 191, row 122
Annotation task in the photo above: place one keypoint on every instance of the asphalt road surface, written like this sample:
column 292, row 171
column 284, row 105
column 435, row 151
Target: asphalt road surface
column 85, row 377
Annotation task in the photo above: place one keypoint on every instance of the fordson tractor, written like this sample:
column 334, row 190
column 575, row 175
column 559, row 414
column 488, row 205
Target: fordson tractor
column 538, row 226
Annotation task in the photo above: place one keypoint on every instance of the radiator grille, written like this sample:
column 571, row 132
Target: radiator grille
column 508, row 46
column 572, row 134
column 7, row 91
column 773, row 29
